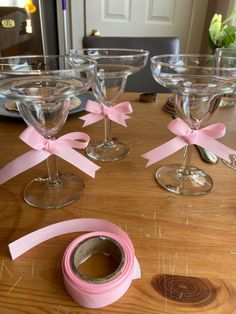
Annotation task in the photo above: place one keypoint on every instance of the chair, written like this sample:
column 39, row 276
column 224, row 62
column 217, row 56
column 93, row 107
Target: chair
column 142, row 81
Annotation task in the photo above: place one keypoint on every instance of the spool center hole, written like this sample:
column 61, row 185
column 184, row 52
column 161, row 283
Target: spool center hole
column 98, row 266
column 98, row 259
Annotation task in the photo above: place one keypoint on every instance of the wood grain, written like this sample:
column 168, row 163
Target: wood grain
column 174, row 236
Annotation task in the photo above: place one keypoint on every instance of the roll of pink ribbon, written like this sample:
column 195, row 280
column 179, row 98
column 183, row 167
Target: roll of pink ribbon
column 88, row 292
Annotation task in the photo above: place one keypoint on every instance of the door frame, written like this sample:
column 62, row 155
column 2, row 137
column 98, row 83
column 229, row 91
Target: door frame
column 78, row 22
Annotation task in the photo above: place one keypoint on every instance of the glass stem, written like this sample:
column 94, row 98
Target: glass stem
column 53, row 176
column 185, row 168
column 107, row 129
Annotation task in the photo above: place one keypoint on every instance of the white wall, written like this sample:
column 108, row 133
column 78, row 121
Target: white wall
column 225, row 7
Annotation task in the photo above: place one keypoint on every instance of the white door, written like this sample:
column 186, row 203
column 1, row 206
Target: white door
column 182, row 18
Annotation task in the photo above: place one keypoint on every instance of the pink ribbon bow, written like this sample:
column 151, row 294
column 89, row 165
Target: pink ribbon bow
column 99, row 111
column 43, row 148
column 204, row 137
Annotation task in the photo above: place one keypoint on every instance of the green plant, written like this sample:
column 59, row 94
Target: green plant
column 222, row 34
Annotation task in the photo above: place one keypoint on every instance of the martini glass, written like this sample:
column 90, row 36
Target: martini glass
column 228, row 100
column 113, row 68
column 198, row 82
column 42, row 87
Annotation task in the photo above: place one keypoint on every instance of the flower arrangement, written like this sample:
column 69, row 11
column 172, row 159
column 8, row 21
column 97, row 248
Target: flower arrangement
column 222, row 34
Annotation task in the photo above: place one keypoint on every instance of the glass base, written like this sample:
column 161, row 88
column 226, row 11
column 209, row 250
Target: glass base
column 41, row 193
column 107, row 151
column 173, row 179
column 231, row 163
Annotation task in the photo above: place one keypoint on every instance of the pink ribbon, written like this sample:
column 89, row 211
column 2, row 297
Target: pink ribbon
column 99, row 111
column 204, row 137
column 43, row 148
column 86, row 293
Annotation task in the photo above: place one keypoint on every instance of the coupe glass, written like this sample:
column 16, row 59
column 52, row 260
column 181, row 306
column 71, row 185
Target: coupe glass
column 113, row 68
column 228, row 100
column 198, row 82
column 42, row 87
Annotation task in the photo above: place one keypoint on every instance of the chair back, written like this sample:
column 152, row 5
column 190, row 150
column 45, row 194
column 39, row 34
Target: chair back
column 142, row 81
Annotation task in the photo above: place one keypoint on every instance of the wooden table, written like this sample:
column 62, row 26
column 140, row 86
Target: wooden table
column 186, row 245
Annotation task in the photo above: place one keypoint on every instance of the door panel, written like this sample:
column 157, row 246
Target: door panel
column 148, row 18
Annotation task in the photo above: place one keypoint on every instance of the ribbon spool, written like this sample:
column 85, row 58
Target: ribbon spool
column 97, row 292
column 88, row 291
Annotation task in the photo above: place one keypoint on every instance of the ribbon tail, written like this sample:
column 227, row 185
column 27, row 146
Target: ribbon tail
column 21, row 164
column 215, row 147
column 118, row 118
column 91, row 118
column 164, row 150
column 137, row 269
column 78, row 160
column 27, row 242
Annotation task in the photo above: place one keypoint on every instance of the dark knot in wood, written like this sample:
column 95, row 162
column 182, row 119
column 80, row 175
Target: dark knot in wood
column 183, row 289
